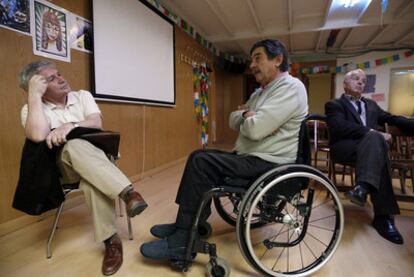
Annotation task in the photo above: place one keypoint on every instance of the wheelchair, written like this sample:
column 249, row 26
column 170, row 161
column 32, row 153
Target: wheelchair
column 289, row 221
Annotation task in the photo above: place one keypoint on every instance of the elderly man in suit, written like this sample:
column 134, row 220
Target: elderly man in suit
column 353, row 123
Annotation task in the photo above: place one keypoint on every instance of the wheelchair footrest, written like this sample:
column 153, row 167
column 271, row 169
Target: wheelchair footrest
column 180, row 265
column 205, row 247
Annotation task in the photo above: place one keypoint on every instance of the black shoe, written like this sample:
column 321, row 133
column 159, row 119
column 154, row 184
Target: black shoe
column 159, row 250
column 386, row 228
column 163, row 231
column 358, row 195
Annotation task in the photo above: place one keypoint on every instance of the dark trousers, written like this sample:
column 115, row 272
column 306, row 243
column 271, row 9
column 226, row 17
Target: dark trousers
column 372, row 166
column 206, row 169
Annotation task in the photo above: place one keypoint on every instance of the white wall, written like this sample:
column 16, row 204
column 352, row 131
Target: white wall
column 382, row 84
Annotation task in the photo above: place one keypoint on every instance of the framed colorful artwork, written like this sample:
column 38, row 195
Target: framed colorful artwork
column 81, row 34
column 49, row 31
column 15, row 15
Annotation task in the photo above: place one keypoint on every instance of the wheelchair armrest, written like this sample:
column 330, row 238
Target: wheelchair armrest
column 108, row 141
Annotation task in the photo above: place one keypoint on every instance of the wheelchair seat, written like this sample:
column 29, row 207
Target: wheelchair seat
column 289, row 221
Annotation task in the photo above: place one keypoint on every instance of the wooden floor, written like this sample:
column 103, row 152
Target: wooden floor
column 362, row 251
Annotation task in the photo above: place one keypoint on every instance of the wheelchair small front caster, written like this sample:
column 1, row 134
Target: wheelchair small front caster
column 204, row 229
column 217, row 267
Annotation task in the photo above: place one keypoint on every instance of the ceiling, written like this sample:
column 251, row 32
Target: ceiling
column 304, row 26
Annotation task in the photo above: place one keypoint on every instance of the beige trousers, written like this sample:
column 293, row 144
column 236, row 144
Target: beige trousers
column 99, row 179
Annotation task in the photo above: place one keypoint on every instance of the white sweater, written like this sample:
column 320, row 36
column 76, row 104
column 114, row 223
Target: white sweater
column 272, row 133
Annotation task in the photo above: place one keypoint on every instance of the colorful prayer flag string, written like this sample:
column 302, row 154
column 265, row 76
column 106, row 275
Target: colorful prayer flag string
column 201, row 85
column 184, row 25
column 296, row 67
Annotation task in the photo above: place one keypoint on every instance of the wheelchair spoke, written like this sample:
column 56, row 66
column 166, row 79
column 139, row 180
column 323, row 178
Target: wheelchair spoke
column 287, row 264
column 317, row 239
column 301, row 255
column 320, row 227
column 321, row 204
column 273, row 238
column 322, row 218
column 307, row 246
column 278, row 258
column 301, row 229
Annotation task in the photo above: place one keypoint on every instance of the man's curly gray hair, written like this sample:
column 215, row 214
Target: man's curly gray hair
column 31, row 69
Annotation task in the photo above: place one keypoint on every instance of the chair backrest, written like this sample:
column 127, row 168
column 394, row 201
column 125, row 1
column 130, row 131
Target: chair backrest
column 318, row 133
column 402, row 143
column 303, row 155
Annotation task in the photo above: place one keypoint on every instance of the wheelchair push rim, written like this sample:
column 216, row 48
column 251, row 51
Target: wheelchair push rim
column 328, row 213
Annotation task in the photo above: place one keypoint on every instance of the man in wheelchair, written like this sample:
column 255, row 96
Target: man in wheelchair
column 53, row 111
column 268, row 126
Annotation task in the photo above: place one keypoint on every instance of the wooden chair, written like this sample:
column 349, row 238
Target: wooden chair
column 347, row 169
column 401, row 155
column 320, row 143
column 319, row 140
column 109, row 143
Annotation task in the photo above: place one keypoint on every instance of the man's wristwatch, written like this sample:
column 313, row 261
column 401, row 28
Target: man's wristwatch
column 75, row 124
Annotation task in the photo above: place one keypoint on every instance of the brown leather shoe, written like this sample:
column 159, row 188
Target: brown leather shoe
column 135, row 204
column 113, row 255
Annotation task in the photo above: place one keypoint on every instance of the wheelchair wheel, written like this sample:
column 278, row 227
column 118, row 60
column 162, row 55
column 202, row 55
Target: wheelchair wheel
column 227, row 207
column 302, row 236
column 217, row 268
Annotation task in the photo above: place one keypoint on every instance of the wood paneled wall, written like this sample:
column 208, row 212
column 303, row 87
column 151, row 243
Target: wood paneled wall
column 229, row 95
column 150, row 136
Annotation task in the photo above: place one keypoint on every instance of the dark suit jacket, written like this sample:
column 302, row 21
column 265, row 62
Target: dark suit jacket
column 38, row 189
column 346, row 128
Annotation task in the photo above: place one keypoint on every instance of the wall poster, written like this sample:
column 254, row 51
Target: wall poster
column 49, row 31
column 81, row 34
column 15, row 15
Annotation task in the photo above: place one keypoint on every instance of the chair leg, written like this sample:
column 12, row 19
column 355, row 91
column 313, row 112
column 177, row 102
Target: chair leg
column 130, row 235
column 402, row 174
column 333, row 173
column 343, row 174
column 412, row 179
column 352, row 176
column 120, row 207
column 52, row 232
column 329, row 169
column 315, row 157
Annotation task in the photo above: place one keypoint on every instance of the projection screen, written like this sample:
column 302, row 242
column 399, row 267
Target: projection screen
column 134, row 57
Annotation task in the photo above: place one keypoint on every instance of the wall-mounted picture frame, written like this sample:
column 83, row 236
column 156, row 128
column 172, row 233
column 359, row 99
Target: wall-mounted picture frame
column 15, row 15
column 81, row 33
column 49, row 31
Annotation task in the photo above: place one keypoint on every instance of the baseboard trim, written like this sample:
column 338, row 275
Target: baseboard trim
column 155, row 170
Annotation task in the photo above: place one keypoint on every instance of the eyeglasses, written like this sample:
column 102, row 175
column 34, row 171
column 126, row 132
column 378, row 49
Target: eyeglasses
column 52, row 27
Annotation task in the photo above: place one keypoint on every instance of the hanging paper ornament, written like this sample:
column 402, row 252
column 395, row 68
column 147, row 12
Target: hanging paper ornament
column 201, row 84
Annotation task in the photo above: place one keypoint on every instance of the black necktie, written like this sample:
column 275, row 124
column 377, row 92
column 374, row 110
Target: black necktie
column 359, row 110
